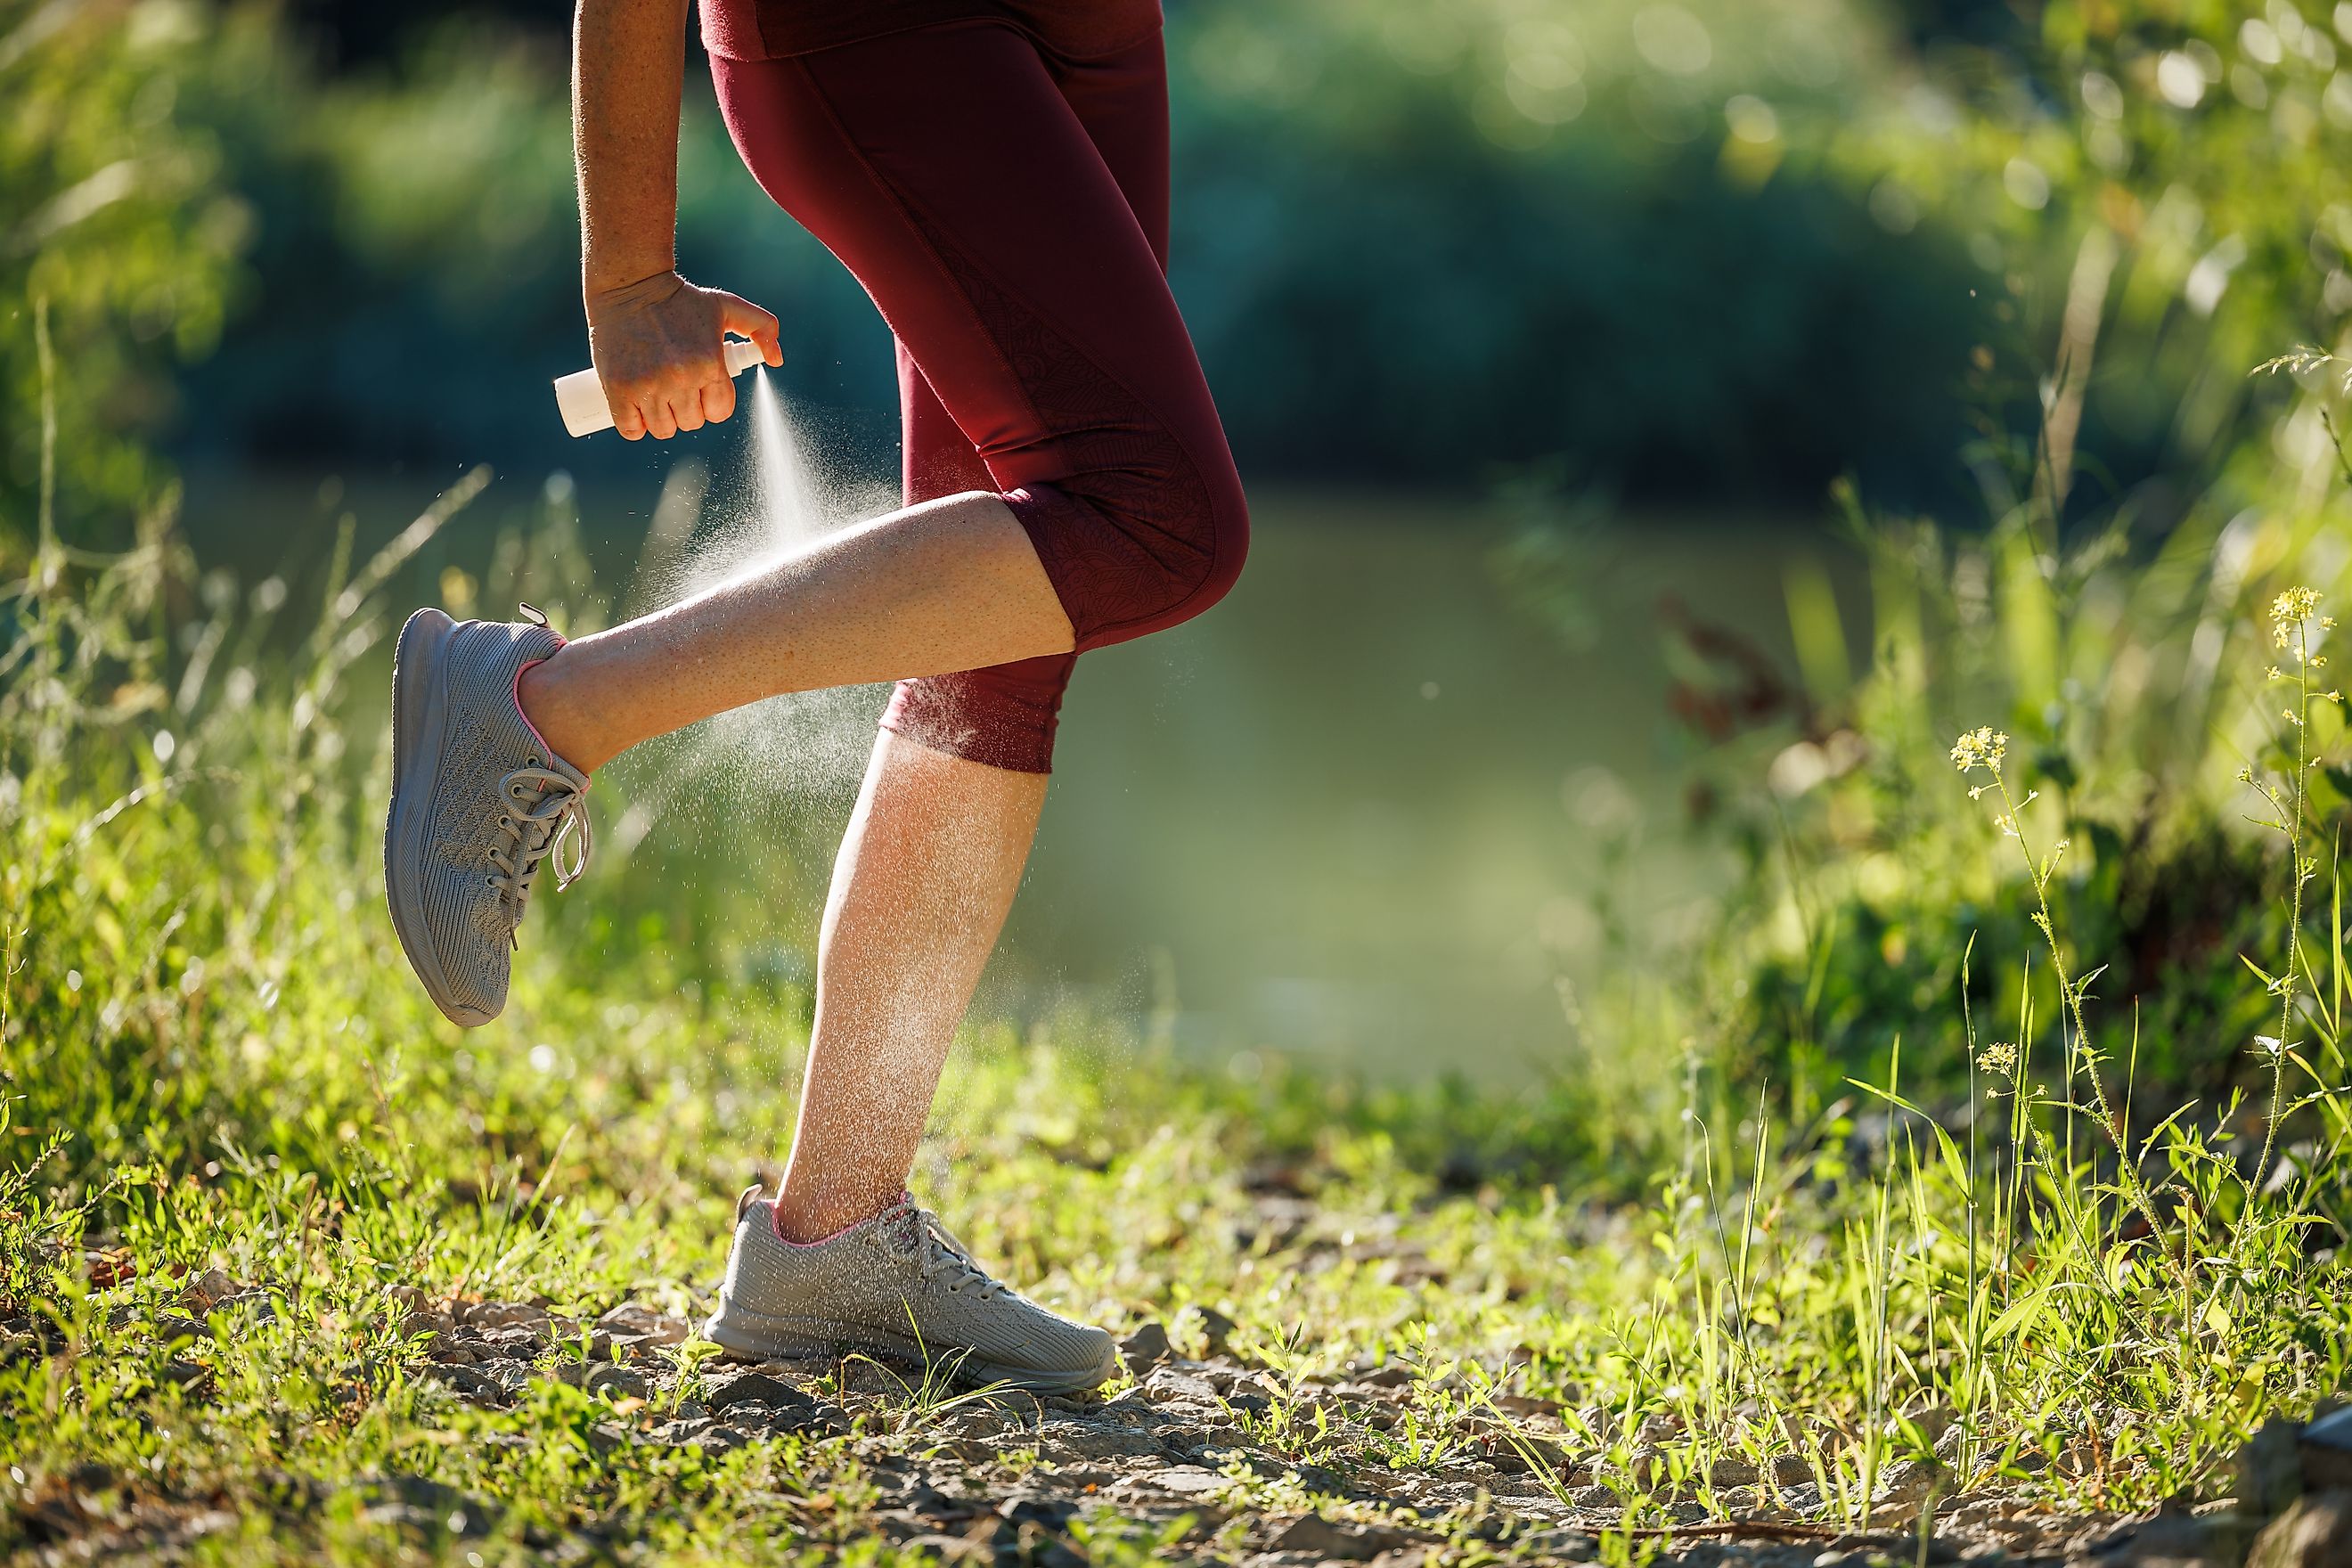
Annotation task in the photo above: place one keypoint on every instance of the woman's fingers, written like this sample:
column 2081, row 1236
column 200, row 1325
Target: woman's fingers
column 664, row 361
column 717, row 399
column 627, row 420
column 660, row 423
column 745, row 320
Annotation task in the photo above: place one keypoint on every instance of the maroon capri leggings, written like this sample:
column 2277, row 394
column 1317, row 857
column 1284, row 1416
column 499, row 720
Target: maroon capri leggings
column 1007, row 210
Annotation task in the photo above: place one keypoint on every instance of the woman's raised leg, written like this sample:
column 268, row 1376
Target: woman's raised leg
column 935, row 588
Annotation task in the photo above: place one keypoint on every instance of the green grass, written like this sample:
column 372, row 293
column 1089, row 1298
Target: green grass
column 214, row 1060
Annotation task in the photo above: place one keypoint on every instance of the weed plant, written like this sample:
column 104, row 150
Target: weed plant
column 1840, row 1305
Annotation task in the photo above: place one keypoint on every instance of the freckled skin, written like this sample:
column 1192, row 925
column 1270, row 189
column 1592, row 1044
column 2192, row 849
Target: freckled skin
column 935, row 849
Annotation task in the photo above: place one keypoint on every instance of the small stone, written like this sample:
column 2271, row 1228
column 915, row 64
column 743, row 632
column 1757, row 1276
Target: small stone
column 2270, row 1470
column 2171, row 1537
column 673, row 1432
column 1145, row 1349
column 723, row 1439
column 645, row 1324
column 1733, row 1473
column 1188, row 1480
column 1168, row 1383
column 1090, row 1440
column 1216, row 1328
column 466, row 1383
column 508, row 1374
column 1557, row 1543
column 1908, row 1481
column 500, row 1314
column 2315, row 1532
column 172, row 1330
column 1790, row 1470
column 206, row 1290
column 618, row 1382
column 1330, row 1539
column 758, row 1387
column 2326, row 1452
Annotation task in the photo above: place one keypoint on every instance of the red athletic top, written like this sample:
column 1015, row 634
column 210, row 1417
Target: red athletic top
column 768, row 29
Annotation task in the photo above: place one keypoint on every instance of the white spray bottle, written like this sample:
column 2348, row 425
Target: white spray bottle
column 580, row 396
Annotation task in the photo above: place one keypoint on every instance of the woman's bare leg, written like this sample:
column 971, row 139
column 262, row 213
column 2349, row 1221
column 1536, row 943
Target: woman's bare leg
column 926, row 873
column 946, row 585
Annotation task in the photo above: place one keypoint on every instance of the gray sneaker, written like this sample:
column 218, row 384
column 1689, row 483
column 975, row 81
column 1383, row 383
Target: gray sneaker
column 900, row 1286
column 477, row 801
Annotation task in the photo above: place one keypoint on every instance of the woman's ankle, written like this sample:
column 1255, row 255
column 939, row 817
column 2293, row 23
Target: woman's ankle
column 807, row 1219
column 543, row 695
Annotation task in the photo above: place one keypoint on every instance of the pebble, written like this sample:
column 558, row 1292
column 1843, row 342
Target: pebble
column 1167, row 1382
column 465, row 1382
column 1145, row 1349
column 208, row 1290
column 758, row 1387
column 620, row 1382
column 1328, row 1539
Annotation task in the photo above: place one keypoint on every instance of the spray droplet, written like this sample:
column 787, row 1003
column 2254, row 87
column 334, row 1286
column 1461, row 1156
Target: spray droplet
column 795, row 513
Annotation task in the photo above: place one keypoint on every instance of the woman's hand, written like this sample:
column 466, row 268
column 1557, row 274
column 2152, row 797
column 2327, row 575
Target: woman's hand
column 656, row 343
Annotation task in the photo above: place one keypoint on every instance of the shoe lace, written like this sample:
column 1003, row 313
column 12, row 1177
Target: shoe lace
column 916, row 1235
column 539, row 810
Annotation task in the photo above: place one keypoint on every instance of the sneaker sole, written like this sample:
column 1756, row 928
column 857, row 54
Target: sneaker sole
column 419, row 719
column 755, row 1336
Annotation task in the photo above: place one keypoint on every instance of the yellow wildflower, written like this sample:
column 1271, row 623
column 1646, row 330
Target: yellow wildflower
column 2294, row 605
column 1979, row 748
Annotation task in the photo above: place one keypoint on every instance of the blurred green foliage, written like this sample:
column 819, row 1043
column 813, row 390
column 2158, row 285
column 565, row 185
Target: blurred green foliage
column 2157, row 186
column 1697, row 247
column 1412, row 241
column 114, row 210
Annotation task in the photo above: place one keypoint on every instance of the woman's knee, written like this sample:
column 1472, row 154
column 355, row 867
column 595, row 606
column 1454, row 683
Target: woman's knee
column 1004, row 716
column 1134, row 548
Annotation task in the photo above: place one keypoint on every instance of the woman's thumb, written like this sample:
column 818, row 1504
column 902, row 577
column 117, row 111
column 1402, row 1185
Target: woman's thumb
column 746, row 319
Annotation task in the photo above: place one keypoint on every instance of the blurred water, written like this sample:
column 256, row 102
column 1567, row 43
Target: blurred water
column 1366, row 811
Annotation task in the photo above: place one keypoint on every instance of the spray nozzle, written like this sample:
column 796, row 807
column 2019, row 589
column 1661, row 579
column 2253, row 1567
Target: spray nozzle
column 580, row 396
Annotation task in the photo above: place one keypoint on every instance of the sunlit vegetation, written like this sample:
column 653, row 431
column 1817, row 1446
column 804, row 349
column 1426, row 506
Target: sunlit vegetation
column 1989, row 1148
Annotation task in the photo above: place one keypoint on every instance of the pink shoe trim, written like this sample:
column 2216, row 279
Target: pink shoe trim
column 904, row 1197
column 521, row 670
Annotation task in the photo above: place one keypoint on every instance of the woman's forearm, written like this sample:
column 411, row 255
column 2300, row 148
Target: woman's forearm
column 627, row 69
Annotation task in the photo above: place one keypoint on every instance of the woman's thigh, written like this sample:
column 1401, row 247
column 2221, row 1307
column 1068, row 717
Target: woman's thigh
column 948, row 171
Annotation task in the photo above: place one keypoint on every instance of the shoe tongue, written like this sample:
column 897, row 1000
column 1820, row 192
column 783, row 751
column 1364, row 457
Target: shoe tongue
column 911, row 1227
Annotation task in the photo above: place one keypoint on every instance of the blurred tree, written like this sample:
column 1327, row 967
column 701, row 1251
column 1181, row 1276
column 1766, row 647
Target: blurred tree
column 112, row 210
column 1412, row 243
